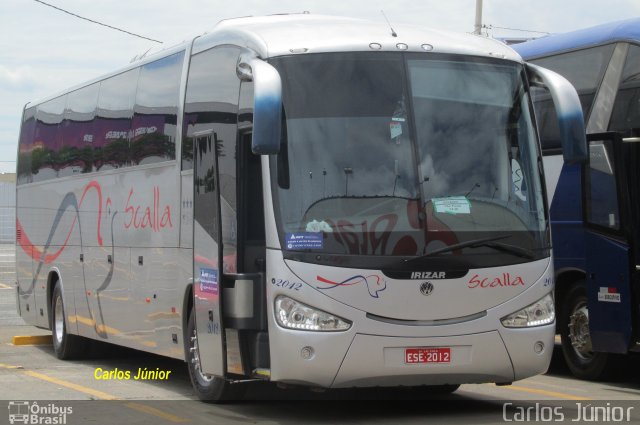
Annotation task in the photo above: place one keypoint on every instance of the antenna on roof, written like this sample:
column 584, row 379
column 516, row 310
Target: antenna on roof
column 393, row 33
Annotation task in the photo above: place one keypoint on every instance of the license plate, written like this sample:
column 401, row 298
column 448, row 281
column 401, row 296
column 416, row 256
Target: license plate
column 427, row 355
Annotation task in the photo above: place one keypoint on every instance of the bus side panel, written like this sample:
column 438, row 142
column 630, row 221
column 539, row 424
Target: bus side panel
column 157, row 297
column 82, row 229
column 47, row 222
column 566, row 213
column 24, row 270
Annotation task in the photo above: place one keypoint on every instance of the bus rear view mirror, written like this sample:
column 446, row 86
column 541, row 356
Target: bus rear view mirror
column 568, row 109
column 267, row 104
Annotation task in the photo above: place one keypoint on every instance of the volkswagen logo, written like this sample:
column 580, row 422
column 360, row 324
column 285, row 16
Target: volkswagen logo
column 426, row 288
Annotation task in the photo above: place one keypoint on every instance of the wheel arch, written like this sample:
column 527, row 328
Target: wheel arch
column 187, row 305
column 565, row 278
column 53, row 278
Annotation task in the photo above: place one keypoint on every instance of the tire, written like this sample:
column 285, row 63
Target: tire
column 573, row 326
column 211, row 389
column 65, row 345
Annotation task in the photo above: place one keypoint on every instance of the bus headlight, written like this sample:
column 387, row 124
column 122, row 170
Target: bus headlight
column 542, row 312
column 292, row 314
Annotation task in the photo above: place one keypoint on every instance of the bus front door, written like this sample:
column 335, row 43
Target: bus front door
column 207, row 273
column 607, row 213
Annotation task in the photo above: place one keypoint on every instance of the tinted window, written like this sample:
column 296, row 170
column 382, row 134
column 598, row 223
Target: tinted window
column 212, row 95
column 357, row 124
column 113, row 121
column 601, row 188
column 211, row 107
column 47, row 139
column 626, row 109
column 76, row 152
column 26, row 145
column 156, row 109
column 584, row 69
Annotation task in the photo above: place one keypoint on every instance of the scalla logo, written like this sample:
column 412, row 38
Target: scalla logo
column 32, row 413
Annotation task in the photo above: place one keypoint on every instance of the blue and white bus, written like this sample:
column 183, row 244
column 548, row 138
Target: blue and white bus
column 303, row 199
column 594, row 209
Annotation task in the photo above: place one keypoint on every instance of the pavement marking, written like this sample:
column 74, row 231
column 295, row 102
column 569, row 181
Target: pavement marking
column 31, row 340
column 8, row 366
column 99, row 394
column 554, row 394
column 156, row 412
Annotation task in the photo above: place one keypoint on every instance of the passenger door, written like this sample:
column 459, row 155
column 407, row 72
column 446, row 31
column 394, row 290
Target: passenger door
column 207, row 259
column 609, row 228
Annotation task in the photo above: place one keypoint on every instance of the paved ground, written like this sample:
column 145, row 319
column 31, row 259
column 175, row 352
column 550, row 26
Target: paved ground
column 33, row 373
column 8, row 314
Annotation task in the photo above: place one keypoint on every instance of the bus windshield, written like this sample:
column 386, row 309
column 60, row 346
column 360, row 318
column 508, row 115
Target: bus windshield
column 402, row 155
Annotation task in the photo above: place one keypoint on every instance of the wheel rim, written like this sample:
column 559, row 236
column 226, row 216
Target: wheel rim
column 58, row 319
column 579, row 331
column 202, row 378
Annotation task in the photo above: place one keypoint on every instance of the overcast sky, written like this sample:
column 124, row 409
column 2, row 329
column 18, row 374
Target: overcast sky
column 44, row 51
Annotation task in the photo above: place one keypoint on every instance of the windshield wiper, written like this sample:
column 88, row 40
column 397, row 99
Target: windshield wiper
column 476, row 243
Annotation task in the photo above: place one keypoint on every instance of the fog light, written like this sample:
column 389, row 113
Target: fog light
column 538, row 347
column 306, row 353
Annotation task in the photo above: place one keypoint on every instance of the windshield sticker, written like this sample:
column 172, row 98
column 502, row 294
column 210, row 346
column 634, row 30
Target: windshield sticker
column 209, row 281
column 608, row 295
column 452, row 205
column 396, row 129
column 319, row 226
column 304, row 240
column 375, row 284
column 518, row 182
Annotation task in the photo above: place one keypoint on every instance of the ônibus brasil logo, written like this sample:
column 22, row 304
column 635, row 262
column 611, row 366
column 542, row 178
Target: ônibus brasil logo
column 25, row 412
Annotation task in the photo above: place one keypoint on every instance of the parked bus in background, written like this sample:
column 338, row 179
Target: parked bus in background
column 594, row 209
column 302, row 199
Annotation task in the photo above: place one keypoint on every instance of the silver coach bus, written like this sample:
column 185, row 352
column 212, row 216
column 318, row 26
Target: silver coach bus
column 303, row 199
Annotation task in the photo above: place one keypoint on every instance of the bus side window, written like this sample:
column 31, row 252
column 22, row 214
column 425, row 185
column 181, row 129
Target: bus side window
column 112, row 124
column 626, row 109
column 78, row 132
column 26, row 145
column 153, row 137
column 585, row 79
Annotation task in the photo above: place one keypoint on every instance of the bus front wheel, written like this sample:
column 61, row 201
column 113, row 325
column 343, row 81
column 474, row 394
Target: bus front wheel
column 208, row 388
column 573, row 324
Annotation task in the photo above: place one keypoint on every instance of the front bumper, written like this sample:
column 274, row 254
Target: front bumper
column 363, row 360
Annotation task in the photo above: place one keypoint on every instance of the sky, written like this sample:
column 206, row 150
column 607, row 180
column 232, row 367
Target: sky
column 44, row 51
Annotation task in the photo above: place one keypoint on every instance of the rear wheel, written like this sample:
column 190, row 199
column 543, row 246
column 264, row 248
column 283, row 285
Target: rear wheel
column 65, row 345
column 208, row 388
column 573, row 324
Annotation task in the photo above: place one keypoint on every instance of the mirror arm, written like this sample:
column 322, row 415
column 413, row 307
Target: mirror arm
column 568, row 109
column 267, row 107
